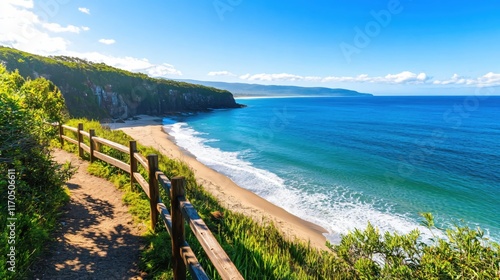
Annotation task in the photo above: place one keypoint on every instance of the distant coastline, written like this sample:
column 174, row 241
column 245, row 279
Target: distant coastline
column 243, row 97
column 243, row 89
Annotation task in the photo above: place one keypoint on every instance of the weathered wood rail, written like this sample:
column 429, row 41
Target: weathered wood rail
column 183, row 257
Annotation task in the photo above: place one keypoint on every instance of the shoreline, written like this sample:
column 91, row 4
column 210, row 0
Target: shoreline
column 149, row 132
column 249, row 97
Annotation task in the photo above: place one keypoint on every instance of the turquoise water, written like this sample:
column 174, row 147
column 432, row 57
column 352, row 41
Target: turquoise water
column 341, row 162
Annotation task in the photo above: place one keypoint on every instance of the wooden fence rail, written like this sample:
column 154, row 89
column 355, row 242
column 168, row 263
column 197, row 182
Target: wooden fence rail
column 181, row 210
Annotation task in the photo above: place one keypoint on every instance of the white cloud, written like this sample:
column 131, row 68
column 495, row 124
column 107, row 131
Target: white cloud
column 274, row 77
column 404, row 77
column 360, row 79
column 21, row 28
column 57, row 28
column 489, row 79
column 245, row 77
column 84, row 10
column 455, row 79
column 313, row 79
column 21, row 3
column 107, row 41
column 161, row 70
column 221, row 73
column 131, row 64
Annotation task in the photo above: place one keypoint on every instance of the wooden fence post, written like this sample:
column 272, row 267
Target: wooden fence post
column 133, row 163
column 61, row 133
column 92, row 145
column 80, row 140
column 178, row 238
column 153, row 189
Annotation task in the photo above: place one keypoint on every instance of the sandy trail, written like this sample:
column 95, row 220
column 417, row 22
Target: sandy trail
column 97, row 238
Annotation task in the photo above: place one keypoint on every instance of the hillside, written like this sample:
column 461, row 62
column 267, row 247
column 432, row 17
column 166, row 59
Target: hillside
column 242, row 89
column 98, row 91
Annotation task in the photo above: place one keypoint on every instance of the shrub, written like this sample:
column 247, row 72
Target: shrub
column 38, row 181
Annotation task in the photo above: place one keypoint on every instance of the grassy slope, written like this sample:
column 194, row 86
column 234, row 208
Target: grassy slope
column 260, row 252
column 257, row 250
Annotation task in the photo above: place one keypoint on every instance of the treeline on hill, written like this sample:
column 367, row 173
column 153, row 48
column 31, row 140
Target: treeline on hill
column 81, row 83
column 31, row 184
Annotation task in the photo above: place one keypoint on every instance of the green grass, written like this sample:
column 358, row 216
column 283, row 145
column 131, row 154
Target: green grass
column 39, row 194
column 34, row 225
column 260, row 251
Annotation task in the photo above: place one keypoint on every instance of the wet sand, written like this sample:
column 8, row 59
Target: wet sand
column 149, row 132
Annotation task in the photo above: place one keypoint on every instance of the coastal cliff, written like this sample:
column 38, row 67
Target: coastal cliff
column 99, row 91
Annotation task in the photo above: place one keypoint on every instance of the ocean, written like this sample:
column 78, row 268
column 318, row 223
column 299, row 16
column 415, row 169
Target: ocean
column 341, row 162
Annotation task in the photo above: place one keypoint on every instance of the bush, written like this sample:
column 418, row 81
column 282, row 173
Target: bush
column 464, row 254
column 35, row 181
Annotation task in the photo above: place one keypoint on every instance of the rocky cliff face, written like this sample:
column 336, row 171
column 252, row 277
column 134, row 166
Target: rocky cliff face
column 97, row 91
column 174, row 100
column 153, row 99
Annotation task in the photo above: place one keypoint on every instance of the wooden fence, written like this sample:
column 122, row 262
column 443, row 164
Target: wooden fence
column 183, row 257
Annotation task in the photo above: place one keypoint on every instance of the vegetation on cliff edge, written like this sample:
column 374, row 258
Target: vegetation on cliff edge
column 97, row 91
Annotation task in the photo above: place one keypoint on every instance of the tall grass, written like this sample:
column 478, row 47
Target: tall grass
column 260, row 251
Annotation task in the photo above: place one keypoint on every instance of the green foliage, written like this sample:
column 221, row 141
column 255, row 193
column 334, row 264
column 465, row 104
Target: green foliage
column 38, row 180
column 260, row 251
column 44, row 99
column 156, row 258
column 77, row 79
column 464, row 254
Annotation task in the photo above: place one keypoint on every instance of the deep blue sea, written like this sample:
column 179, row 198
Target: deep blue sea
column 342, row 162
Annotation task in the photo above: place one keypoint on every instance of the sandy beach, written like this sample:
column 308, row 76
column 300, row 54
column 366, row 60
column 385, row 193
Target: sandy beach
column 149, row 132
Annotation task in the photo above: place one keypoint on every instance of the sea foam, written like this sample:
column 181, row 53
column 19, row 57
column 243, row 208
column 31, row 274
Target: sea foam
column 338, row 210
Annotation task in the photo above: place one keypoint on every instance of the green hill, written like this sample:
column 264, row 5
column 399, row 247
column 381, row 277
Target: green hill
column 249, row 90
column 98, row 91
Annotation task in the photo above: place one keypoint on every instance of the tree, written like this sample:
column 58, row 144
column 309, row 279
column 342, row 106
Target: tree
column 45, row 99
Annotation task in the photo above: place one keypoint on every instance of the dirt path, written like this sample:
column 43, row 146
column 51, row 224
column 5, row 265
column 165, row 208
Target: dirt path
column 97, row 238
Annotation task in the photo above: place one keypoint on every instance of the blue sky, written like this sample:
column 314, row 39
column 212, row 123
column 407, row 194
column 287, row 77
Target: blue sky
column 382, row 47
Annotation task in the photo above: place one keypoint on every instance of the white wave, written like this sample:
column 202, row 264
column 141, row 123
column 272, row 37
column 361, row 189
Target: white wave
column 338, row 211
